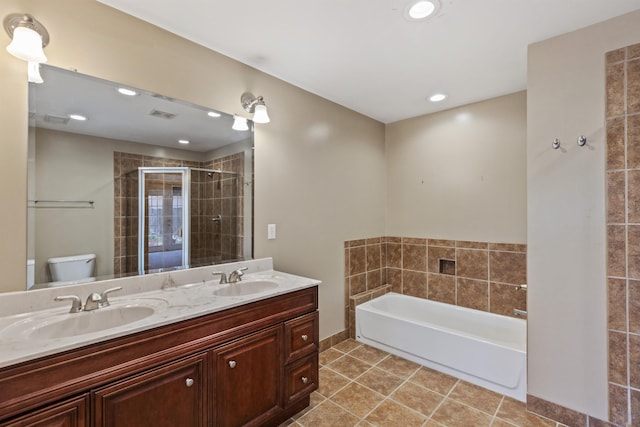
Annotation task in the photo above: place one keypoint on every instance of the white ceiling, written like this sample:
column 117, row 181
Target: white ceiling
column 364, row 55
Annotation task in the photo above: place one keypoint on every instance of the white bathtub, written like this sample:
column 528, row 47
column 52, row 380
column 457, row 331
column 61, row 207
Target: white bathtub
column 482, row 348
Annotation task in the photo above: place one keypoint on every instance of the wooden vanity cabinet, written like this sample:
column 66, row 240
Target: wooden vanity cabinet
column 173, row 395
column 245, row 366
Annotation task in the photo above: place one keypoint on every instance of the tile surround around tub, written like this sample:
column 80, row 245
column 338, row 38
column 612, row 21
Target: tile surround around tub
column 623, row 233
column 479, row 275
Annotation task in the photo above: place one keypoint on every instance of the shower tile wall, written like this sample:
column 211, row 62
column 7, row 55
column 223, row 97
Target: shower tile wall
column 478, row 275
column 207, row 239
column 623, row 233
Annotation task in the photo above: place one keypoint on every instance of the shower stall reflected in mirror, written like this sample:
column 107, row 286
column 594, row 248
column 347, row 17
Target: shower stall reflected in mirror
column 180, row 217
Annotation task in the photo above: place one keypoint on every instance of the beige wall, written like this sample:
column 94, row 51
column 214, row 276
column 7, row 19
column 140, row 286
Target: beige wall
column 566, row 212
column 319, row 167
column 460, row 174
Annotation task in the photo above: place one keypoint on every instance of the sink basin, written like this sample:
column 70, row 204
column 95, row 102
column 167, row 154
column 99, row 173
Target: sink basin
column 87, row 322
column 63, row 325
column 246, row 288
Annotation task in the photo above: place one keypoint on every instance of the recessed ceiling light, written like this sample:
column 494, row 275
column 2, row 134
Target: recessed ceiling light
column 437, row 97
column 421, row 9
column 77, row 117
column 213, row 114
column 183, row 141
column 127, row 92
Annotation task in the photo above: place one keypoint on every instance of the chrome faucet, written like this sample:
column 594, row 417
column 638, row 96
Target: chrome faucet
column 96, row 301
column 76, row 304
column 104, row 296
column 223, row 276
column 236, row 275
column 93, row 302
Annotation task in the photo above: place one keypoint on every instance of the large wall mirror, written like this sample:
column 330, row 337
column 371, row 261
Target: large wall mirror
column 125, row 182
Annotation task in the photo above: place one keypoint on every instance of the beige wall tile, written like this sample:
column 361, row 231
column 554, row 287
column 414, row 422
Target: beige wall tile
column 634, row 307
column 357, row 260
column 634, row 357
column 504, row 298
column 635, row 407
column 618, row 404
column 414, row 283
column 394, row 278
column 615, row 90
column 472, row 264
column 441, row 288
column 473, row 294
column 633, row 86
column 617, row 304
column 441, row 242
column 373, row 257
column 471, row 245
column 508, row 267
column 507, row 247
column 394, row 255
column 556, row 412
column 435, row 254
column 616, row 252
column 616, row 197
column 633, row 51
column 633, row 251
column 617, row 358
column 615, row 56
column 357, row 284
column 414, row 257
column 633, row 141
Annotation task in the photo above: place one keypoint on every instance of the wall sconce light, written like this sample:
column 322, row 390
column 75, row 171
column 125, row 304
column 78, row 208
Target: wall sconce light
column 28, row 37
column 239, row 123
column 255, row 105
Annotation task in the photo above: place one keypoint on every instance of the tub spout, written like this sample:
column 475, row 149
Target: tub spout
column 520, row 313
column 521, row 288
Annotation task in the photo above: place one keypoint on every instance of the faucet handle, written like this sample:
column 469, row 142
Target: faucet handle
column 104, row 299
column 76, row 305
column 236, row 275
column 223, row 276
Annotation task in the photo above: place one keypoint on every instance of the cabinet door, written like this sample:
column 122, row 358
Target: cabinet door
column 72, row 413
column 248, row 375
column 169, row 396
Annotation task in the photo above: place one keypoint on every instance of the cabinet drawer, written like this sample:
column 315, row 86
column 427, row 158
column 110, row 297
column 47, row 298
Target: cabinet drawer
column 301, row 336
column 72, row 413
column 301, row 378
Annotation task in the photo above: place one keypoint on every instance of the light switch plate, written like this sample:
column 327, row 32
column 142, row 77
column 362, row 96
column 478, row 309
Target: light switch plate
column 271, row 231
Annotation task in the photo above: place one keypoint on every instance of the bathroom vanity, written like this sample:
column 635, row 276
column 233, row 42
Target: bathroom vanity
column 254, row 363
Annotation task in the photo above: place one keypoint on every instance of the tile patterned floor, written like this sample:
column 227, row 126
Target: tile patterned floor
column 363, row 386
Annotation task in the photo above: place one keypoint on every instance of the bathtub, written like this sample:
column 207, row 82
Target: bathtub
column 482, row 348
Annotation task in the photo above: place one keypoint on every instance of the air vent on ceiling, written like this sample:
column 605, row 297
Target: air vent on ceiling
column 166, row 98
column 162, row 114
column 59, row 120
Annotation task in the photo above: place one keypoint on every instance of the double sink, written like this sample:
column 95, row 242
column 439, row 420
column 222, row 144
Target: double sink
column 57, row 324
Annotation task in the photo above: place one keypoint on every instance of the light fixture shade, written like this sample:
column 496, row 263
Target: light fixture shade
column 27, row 45
column 240, row 123
column 260, row 115
column 33, row 72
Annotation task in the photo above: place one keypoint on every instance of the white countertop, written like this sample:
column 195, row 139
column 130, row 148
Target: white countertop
column 19, row 340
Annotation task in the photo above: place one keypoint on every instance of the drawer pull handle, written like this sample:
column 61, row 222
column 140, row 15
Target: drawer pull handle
column 189, row 382
column 232, row 364
column 305, row 337
column 305, row 380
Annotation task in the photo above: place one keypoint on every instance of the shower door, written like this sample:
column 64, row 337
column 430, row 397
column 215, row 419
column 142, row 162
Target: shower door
column 163, row 219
